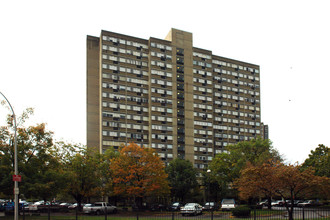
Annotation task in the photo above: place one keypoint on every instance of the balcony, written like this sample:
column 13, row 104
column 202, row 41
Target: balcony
column 180, row 78
column 179, row 60
column 181, row 140
column 181, row 148
column 181, row 131
column 180, row 95
column 179, row 52
column 180, row 69
column 180, row 104
column 180, row 87
column 180, row 112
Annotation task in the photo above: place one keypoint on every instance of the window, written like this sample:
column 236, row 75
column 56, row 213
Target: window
column 179, row 60
column 180, row 51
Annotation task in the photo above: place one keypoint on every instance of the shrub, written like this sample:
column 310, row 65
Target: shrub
column 242, row 211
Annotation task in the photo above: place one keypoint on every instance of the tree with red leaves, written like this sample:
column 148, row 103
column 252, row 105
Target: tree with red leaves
column 286, row 181
column 138, row 172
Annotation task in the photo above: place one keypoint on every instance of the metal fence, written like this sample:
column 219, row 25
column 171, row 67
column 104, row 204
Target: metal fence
column 275, row 213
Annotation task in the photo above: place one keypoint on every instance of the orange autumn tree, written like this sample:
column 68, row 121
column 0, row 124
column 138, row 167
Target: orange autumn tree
column 257, row 181
column 138, row 172
column 293, row 183
column 286, row 181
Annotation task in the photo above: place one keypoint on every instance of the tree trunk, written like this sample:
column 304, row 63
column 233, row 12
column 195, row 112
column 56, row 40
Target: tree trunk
column 269, row 205
column 138, row 202
column 291, row 214
column 290, row 210
column 78, row 199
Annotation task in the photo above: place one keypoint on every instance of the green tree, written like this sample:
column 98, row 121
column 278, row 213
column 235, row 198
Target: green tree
column 83, row 173
column 319, row 160
column 213, row 191
column 226, row 166
column 182, row 178
column 37, row 163
column 106, row 187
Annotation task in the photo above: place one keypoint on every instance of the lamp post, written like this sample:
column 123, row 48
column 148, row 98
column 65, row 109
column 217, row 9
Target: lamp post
column 16, row 190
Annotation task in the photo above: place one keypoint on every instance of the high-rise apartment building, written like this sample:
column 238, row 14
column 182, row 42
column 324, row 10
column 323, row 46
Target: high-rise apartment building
column 181, row 100
column 264, row 131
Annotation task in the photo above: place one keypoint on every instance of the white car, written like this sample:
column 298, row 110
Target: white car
column 192, row 209
column 99, row 208
column 41, row 202
column 228, row 204
column 278, row 203
column 87, row 208
column 74, row 205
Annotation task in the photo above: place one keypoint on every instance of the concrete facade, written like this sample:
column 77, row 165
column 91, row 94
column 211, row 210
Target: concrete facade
column 181, row 100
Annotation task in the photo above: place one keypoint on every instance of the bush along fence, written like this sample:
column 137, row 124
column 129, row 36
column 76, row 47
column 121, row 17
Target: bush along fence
column 242, row 212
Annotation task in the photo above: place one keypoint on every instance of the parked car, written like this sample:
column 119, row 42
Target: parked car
column 228, row 204
column 176, row 206
column 2, row 207
column 73, row 206
column 208, row 206
column 263, row 202
column 86, row 207
column 191, row 209
column 278, row 203
column 308, row 203
column 25, row 204
column 41, row 202
column 99, row 208
column 65, row 204
column 10, row 206
column 157, row 207
column 295, row 202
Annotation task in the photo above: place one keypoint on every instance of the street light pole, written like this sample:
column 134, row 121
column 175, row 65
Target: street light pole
column 16, row 190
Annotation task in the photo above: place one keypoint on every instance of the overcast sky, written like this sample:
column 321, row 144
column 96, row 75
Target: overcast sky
column 43, row 57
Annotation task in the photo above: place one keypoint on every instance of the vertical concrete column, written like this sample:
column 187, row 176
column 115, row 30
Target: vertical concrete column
column 94, row 88
column 183, row 40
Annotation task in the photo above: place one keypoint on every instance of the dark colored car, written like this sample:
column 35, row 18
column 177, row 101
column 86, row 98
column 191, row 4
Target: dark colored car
column 10, row 206
column 176, row 206
column 158, row 207
column 2, row 207
column 210, row 206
